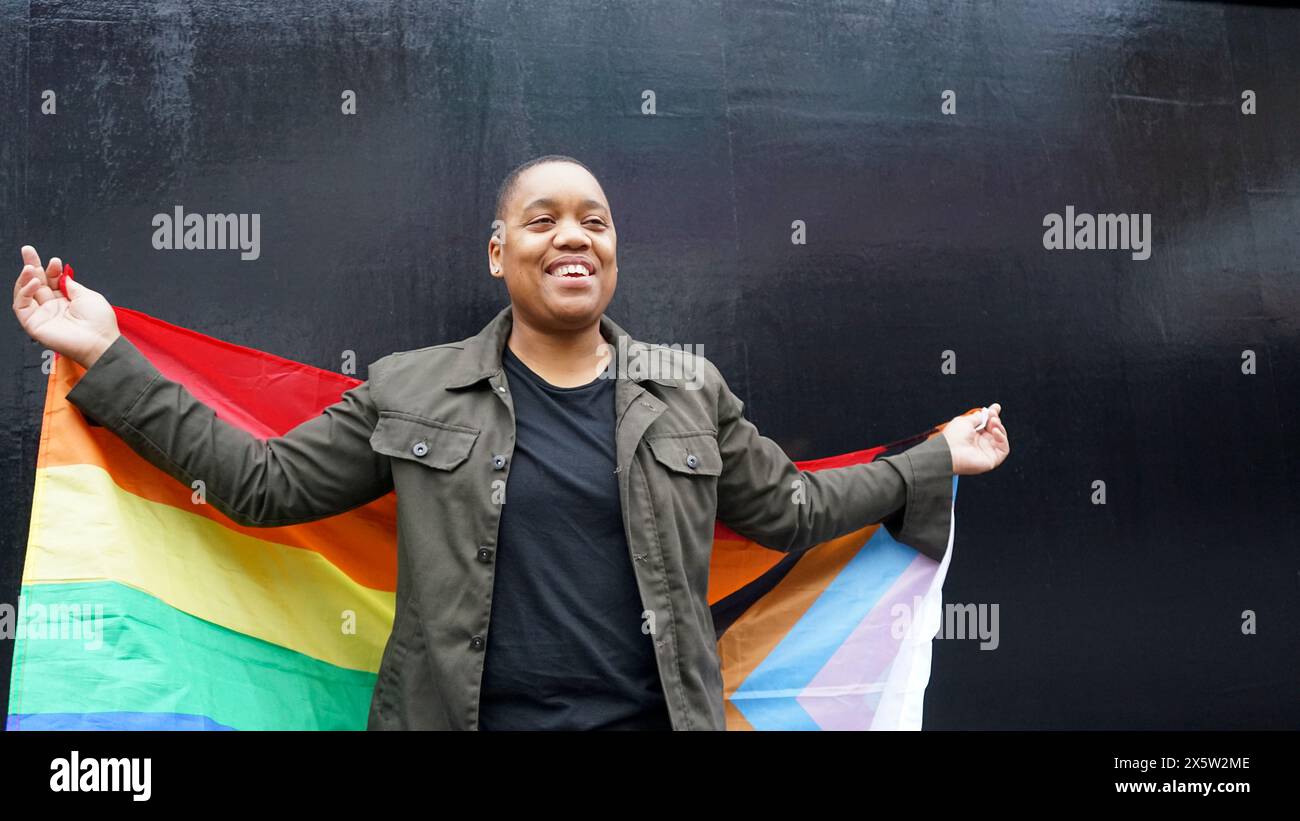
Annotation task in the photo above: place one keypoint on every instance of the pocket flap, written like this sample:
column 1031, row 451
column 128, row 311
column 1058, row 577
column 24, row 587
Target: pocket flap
column 440, row 445
column 695, row 453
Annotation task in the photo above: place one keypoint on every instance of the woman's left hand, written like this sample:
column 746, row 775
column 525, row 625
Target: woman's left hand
column 977, row 451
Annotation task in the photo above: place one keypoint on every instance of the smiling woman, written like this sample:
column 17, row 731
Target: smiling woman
column 555, row 246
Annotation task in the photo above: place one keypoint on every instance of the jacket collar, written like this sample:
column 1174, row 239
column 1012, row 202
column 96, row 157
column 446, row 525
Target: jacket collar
column 480, row 356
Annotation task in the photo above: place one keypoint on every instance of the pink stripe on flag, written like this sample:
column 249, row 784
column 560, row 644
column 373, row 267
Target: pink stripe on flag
column 833, row 698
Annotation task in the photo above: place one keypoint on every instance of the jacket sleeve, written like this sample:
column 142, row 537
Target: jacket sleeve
column 910, row 493
column 321, row 467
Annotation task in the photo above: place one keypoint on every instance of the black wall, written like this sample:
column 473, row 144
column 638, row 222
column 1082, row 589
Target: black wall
column 924, row 235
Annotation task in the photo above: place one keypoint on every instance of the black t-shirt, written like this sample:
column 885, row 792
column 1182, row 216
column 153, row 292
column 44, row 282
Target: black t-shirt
column 565, row 645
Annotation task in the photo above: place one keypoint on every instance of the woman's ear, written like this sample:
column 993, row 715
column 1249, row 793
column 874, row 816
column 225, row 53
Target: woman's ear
column 494, row 255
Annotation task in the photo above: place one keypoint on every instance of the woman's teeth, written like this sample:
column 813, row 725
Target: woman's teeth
column 571, row 271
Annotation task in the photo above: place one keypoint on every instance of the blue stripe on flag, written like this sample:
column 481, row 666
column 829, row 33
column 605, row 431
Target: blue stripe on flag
column 111, row 721
column 767, row 696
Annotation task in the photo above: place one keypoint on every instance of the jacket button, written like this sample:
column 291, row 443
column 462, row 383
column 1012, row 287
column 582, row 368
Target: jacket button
column 692, row 461
column 501, row 389
column 498, row 461
column 419, row 448
column 476, row 642
column 485, row 554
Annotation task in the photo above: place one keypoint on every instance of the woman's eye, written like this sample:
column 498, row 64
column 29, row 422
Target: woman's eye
column 543, row 220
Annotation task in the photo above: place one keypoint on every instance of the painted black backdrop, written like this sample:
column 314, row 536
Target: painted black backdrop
column 924, row 235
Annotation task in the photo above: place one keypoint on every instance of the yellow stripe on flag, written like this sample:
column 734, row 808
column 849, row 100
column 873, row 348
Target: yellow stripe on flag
column 86, row 528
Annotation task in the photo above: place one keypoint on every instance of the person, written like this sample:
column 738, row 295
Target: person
column 581, row 603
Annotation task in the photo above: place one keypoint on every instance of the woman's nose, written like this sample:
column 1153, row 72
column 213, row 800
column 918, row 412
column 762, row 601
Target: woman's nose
column 570, row 233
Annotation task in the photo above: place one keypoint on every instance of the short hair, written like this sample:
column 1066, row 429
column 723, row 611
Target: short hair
column 508, row 185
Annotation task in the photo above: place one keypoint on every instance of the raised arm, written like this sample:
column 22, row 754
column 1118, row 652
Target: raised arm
column 910, row 493
column 321, row 467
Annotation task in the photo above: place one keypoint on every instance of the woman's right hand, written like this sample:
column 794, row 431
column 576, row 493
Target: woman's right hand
column 80, row 328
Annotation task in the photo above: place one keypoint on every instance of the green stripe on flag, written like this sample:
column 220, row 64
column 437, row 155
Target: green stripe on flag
column 141, row 655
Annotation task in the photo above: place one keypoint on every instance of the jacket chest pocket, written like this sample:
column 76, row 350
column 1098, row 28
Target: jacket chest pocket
column 683, row 485
column 688, row 454
column 428, row 442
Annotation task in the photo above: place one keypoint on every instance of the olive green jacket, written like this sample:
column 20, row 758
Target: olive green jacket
column 437, row 424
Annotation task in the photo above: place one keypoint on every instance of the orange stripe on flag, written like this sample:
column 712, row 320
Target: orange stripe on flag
column 751, row 638
column 362, row 543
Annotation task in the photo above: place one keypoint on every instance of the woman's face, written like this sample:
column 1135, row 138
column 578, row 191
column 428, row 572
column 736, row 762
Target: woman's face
column 558, row 216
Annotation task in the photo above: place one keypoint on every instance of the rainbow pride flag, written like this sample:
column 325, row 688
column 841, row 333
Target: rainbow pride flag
column 142, row 610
